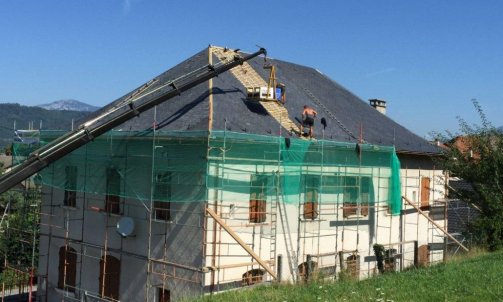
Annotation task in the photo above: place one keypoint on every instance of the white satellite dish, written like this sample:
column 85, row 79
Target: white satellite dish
column 125, row 226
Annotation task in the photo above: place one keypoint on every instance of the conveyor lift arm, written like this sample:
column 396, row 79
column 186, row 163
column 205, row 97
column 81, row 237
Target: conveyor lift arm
column 138, row 102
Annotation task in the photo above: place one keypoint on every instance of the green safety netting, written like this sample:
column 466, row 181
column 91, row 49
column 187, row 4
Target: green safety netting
column 197, row 166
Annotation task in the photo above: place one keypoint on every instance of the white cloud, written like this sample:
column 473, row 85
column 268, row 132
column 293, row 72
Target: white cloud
column 126, row 6
column 380, row 72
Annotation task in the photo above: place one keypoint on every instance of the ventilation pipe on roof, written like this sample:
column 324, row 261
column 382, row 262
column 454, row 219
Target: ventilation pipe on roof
column 379, row 105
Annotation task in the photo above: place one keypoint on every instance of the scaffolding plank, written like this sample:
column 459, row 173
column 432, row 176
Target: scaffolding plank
column 241, row 242
column 435, row 223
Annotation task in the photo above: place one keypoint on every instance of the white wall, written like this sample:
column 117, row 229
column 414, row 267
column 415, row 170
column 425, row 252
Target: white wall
column 90, row 231
column 330, row 233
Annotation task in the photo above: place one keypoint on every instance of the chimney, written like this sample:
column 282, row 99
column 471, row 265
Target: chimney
column 379, row 105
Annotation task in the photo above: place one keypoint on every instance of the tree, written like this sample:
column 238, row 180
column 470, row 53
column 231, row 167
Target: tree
column 20, row 227
column 476, row 156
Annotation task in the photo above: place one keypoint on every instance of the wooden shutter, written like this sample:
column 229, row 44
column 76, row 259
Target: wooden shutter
column 67, row 270
column 423, row 256
column 258, row 211
column 110, row 277
column 425, row 193
column 311, row 205
column 258, row 197
column 164, row 295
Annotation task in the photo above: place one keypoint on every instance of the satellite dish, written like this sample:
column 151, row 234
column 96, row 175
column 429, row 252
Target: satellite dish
column 125, row 227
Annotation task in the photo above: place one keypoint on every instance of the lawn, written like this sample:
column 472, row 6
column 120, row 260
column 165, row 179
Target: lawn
column 474, row 278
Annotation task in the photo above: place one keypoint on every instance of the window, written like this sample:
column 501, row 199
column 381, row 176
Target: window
column 253, row 276
column 258, row 197
column 112, row 199
column 67, row 270
column 163, row 294
column 70, row 199
column 312, row 183
column 365, row 195
column 162, row 196
column 357, row 195
column 110, row 268
column 162, row 210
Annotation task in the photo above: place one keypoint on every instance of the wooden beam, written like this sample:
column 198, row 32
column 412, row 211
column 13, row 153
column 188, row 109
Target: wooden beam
column 241, row 242
column 435, row 224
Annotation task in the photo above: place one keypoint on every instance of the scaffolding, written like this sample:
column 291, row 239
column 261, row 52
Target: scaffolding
column 223, row 171
column 203, row 184
column 213, row 210
column 256, row 186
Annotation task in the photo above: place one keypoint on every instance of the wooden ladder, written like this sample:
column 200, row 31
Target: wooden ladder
column 250, row 78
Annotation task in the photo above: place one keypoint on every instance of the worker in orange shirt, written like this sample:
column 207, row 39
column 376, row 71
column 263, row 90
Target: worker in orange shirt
column 308, row 116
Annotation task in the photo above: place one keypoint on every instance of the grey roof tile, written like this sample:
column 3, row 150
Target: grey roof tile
column 231, row 109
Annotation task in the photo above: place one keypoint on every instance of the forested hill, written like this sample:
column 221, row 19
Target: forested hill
column 24, row 115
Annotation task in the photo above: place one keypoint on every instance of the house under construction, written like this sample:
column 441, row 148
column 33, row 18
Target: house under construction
column 218, row 188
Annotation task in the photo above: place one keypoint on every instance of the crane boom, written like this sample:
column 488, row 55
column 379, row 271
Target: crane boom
column 138, row 102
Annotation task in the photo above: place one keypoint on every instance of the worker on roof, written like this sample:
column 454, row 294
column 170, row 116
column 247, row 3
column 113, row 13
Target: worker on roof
column 281, row 93
column 308, row 116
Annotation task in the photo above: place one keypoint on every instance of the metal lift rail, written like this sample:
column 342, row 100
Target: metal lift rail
column 138, row 102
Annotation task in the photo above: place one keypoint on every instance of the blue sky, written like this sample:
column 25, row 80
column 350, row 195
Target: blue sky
column 427, row 59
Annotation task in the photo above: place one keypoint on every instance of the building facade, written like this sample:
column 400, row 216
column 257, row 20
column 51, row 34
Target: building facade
column 214, row 191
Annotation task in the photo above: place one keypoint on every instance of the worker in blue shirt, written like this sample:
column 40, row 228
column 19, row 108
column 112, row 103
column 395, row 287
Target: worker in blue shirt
column 281, row 93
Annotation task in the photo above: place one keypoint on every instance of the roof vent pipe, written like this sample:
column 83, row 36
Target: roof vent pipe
column 379, row 105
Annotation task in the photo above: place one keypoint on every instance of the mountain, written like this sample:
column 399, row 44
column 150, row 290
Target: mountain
column 72, row 105
column 22, row 116
column 500, row 129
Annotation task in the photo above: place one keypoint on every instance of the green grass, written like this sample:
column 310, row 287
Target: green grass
column 475, row 278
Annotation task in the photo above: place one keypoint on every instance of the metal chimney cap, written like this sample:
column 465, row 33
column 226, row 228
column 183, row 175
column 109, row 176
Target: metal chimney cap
column 377, row 102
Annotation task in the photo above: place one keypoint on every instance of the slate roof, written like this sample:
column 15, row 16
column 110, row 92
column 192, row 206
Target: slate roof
column 190, row 111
